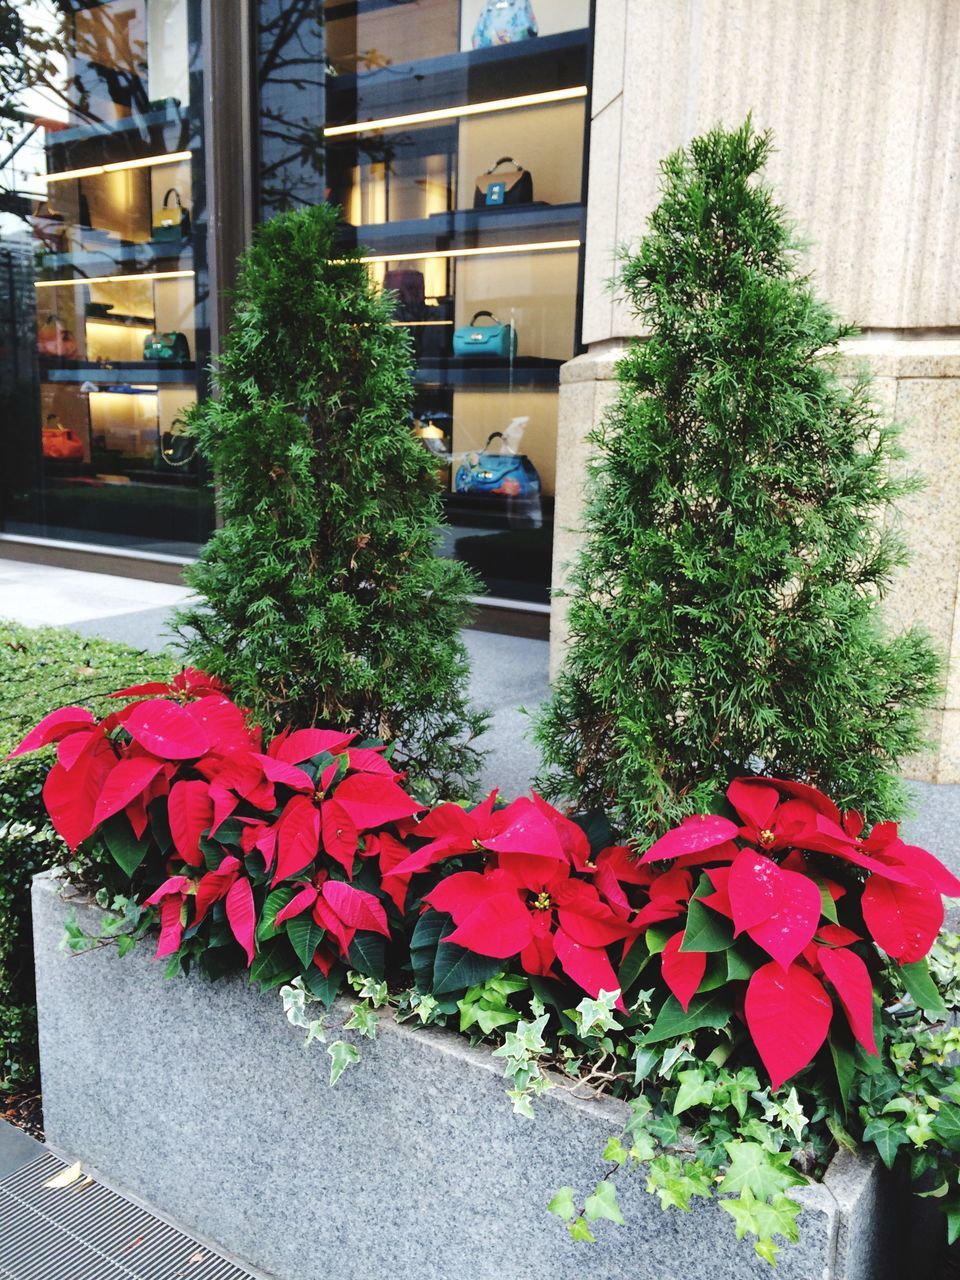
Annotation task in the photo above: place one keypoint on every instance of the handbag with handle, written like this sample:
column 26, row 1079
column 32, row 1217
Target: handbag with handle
column 496, row 341
column 494, row 190
column 166, row 346
column 504, row 22
column 510, row 475
column 171, row 221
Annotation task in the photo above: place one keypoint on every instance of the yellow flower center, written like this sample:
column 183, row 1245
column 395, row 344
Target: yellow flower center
column 766, row 837
column 542, row 902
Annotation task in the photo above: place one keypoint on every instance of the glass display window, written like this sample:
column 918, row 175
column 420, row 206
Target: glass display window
column 365, row 36
column 122, row 340
column 456, row 136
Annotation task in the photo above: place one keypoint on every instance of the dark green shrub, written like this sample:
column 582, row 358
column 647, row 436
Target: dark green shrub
column 39, row 671
column 323, row 600
column 724, row 610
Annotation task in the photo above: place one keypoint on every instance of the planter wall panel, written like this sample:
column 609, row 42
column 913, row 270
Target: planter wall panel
column 202, row 1100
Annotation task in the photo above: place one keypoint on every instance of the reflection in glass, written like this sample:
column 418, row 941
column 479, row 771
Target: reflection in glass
column 119, row 285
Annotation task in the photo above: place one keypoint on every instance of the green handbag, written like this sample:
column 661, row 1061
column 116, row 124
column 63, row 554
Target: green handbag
column 166, row 346
column 171, row 221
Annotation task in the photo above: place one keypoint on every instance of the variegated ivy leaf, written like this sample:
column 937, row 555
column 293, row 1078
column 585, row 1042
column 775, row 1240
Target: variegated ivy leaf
column 342, row 1055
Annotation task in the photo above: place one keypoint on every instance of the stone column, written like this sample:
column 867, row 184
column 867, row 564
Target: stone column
column 863, row 97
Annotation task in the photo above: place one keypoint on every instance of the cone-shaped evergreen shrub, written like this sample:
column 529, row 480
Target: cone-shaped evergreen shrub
column 724, row 613
column 322, row 598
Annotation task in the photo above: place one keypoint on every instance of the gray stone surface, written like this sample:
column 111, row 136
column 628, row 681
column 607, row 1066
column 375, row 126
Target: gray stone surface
column 16, row 1148
column 200, row 1099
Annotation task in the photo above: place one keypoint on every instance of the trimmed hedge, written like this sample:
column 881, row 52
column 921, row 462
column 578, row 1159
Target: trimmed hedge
column 39, row 670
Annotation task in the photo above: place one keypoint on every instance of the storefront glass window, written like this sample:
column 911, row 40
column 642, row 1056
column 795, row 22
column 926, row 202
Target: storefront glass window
column 113, row 235
column 456, row 137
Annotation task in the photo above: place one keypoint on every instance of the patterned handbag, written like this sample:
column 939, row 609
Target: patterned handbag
column 504, row 22
column 510, row 475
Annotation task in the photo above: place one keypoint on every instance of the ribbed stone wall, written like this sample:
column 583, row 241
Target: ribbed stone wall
column 863, row 97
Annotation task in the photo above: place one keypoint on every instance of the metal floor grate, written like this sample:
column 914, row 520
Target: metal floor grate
column 85, row 1231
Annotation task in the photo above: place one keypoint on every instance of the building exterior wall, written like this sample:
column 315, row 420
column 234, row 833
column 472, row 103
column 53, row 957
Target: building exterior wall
column 863, row 97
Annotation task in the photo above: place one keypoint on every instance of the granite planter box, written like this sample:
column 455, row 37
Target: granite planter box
column 202, row 1100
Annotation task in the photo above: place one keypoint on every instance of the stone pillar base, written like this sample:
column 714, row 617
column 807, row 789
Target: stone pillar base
column 917, row 379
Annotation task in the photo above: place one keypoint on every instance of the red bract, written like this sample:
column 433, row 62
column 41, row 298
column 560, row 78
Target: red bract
column 338, row 908
column 788, row 1013
column 530, row 906
column 682, row 970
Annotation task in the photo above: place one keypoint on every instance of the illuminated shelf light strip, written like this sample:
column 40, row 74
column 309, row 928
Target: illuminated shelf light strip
column 455, row 113
column 543, row 246
column 138, row 275
column 117, row 166
column 418, row 324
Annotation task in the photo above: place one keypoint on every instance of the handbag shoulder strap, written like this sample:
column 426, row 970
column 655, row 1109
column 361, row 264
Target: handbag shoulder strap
column 176, row 195
column 477, row 314
column 494, row 435
column 506, row 160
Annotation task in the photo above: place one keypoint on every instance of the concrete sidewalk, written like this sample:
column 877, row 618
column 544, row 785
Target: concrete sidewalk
column 509, row 674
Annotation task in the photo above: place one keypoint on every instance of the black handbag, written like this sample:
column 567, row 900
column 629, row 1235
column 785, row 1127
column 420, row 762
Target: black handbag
column 501, row 190
column 171, row 222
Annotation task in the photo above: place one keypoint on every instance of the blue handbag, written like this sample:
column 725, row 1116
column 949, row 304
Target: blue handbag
column 499, row 341
column 504, row 22
column 510, row 475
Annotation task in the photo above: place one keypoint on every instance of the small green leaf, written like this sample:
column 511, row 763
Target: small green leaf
column 695, row 1091
column 342, row 1055
column 764, row 1172
column 714, row 1009
column 272, row 967
column 844, row 1064
column 738, row 967
column 887, row 1135
column 947, row 1125
column 916, row 978
column 828, row 907
column 579, row 1230
column 616, row 1151
column 632, row 967
column 706, row 929
column 563, row 1204
column 603, row 1204
column 305, row 936
column 367, row 955
column 455, row 968
column 126, row 850
column 276, row 900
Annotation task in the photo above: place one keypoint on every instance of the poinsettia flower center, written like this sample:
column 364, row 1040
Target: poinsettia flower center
column 542, row 902
column 766, row 838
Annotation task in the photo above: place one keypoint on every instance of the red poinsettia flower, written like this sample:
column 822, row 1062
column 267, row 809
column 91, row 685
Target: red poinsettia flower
column 532, row 907
column 340, row 909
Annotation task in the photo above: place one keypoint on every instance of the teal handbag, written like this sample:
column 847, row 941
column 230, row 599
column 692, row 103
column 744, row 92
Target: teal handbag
column 497, row 341
column 166, row 346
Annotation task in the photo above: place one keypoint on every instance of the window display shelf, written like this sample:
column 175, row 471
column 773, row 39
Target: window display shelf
column 160, row 119
column 463, row 371
column 540, row 65
column 119, row 373
column 146, row 253
column 470, row 228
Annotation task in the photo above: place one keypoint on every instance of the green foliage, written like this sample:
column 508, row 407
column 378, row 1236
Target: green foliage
column 323, row 598
column 724, row 609
column 39, row 671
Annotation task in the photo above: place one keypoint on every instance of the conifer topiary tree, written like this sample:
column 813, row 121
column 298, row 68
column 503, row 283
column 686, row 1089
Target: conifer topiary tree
column 322, row 598
column 724, row 608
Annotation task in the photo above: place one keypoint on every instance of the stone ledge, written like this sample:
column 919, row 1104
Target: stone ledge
column 200, row 1099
